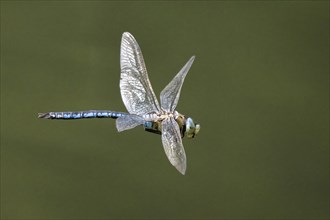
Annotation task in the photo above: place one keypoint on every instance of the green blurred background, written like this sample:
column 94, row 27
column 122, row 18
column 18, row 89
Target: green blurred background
column 259, row 87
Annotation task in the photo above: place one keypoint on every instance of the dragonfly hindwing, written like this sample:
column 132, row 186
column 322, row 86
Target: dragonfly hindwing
column 128, row 122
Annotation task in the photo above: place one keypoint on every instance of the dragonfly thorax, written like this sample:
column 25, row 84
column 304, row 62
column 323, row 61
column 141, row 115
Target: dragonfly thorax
column 158, row 117
column 174, row 115
column 186, row 125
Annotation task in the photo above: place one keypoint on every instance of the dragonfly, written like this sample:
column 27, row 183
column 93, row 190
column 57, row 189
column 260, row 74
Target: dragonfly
column 142, row 105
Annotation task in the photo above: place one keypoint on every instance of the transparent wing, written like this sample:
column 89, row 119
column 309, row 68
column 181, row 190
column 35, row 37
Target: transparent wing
column 170, row 95
column 136, row 91
column 128, row 122
column 172, row 143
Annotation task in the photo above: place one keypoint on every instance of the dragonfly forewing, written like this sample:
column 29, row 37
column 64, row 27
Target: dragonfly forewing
column 172, row 143
column 170, row 95
column 135, row 87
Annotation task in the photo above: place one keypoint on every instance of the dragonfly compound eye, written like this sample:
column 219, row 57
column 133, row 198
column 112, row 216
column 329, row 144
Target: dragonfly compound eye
column 191, row 128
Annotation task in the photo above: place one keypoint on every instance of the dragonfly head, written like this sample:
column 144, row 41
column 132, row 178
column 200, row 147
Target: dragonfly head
column 191, row 128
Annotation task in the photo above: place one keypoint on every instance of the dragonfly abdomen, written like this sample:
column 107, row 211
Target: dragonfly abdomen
column 82, row 114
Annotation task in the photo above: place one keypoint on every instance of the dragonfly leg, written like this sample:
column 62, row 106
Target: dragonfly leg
column 153, row 131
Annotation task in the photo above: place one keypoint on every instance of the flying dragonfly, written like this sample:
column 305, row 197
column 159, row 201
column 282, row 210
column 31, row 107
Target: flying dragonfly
column 142, row 105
